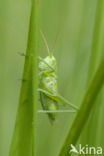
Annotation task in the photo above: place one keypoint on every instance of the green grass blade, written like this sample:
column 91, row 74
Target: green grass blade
column 35, row 31
column 96, row 37
column 94, row 61
column 84, row 111
column 22, row 138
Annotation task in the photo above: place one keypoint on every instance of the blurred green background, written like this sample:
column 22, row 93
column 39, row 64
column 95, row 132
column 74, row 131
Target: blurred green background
column 73, row 54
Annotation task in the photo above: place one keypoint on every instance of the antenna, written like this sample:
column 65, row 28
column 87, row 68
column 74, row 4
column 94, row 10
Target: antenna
column 45, row 41
column 58, row 31
column 57, row 34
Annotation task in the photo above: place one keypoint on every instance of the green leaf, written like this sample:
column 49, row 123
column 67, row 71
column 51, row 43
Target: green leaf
column 24, row 137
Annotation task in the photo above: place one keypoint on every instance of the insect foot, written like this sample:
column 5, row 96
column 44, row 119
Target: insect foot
column 21, row 79
column 23, row 54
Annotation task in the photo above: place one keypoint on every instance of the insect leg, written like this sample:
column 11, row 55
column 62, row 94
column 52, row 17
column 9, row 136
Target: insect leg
column 23, row 54
column 57, row 111
column 58, row 98
column 21, row 79
column 65, row 101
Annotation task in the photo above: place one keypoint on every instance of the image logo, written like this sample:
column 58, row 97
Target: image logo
column 86, row 150
column 73, row 149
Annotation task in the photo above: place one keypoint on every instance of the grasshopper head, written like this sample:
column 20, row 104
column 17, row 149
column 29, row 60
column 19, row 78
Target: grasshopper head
column 51, row 61
column 48, row 64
